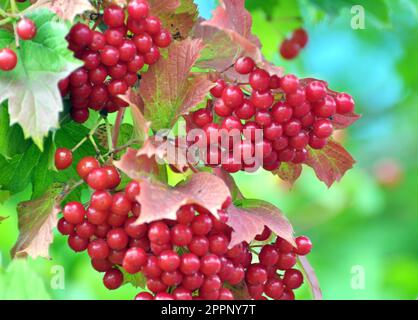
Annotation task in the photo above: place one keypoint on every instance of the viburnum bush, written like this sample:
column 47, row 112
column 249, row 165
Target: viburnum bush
column 195, row 101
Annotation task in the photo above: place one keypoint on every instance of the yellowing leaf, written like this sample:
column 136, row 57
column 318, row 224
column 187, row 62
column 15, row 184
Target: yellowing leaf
column 66, row 9
column 169, row 90
column 37, row 219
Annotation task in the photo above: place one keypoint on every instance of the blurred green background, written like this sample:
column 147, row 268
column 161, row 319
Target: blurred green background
column 368, row 223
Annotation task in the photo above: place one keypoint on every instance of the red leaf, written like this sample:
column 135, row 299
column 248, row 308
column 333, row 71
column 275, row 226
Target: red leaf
column 159, row 201
column 311, row 277
column 169, row 90
column 67, row 10
column 343, row 121
column 139, row 166
column 177, row 16
column 230, row 182
column 249, row 220
column 37, row 219
column 331, row 163
column 289, row 172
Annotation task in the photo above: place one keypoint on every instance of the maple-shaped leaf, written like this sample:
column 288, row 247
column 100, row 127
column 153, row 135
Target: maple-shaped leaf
column 251, row 216
column 65, row 9
column 32, row 87
column 331, row 163
column 311, row 277
column 342, row 121
column 230, row 182
column 141, row 125
column 289, row 172
column 178, row 16
column 139, row 166
column 37, row 219
column 168, row 88
column 159, row 201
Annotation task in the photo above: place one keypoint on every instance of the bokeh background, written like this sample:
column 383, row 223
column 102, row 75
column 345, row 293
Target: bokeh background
column 367, row 223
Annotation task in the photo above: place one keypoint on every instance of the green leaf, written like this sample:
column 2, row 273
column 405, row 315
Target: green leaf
column 12, row 141
column 6, row 38
column 42, row 177
column 31, row 88
column 20, row 282
column 37, row 218
column 138, row 280
column 15, row 174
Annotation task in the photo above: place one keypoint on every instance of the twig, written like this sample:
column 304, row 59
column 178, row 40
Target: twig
column 118, row 123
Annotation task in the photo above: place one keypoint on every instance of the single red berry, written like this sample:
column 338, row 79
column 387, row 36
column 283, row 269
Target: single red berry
column 260, row 80
column 218, row 89
column 268, row 256
column 264, row 235
column 300, row 36
column 144, row 296
column 181, row 235
column 114, row 16
column 132, row 190
column 182, row 294
column 289, row 83
column 159, row 233
column 326, row 107
column 152, row 25
column 113, row 177
column 199, row 245
column 190, row 263
column 85, row 229
column 345, row 103
column 304, row 245
column 76, row 243
column 98, row 249
column 74, row 212
column 322, row 128
column 138, row 9
column 117, row 239
column 87, row 165
column 96, row 216
column 317, row 143
column 274, row 288
column 169, row 260
column 256, row 274
column 262, row 100
column 185, row 214
column 281, row 112
column 233, row 97
column 202, row 117
column 113, row 279
column 244, row 65
column 246, row 111
column 96, row 179
column 64, row 227
column 221, row 109
column 8, row 59
column 26, row 29
column 286, row 261
column 101, row 265
column 81, row 35
column 134, row 260
column 63, row 158
column 162, row 39
column 293, row 279
column 289, row 49
column 201, row 225
column 316, row 90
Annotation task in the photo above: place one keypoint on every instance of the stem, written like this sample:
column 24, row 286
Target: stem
column 90, row 134
column 5, row 21
column 109, row 135
column 13, row 6
column 96, row 148
column 3, row 13
column 116, row 129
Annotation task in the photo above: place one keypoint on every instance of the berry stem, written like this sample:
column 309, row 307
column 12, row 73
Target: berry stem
column 109, row 134
column 5, row 21
column 90, row 134
column 96, row 148
column 116, row 129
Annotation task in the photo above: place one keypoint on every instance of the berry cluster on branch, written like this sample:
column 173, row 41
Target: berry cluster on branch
column 292, row 114
column 184, row 259
column 112, row 59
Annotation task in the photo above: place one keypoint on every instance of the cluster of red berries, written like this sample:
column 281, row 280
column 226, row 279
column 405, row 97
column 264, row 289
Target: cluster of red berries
column 112, row 59
column 185, row 259
column 290, row 48
column 26, row 30
column 291, row 115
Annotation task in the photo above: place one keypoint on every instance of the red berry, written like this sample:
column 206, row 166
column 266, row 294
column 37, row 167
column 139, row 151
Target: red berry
column 289, row 83
column 96, row 216
column 304, row 246
column 244, row 65
column 159, row 233
column 181, row 235
column 81, row 35
column 345, row 103
column 210, row 264
column 113, row 177
column 317, row 143
column 233, row 97
column 97, row 179
column 134, row 260
column 113, row 279
column 289, row 49
column 246, row 111
column 199, row 245
column 121, row 205
column 114, row 16
column 63, row 158
column 256, row 274
column 293, row 279
column 85, row 229
column 262, row 100
column 281, row 112
column 138, row 9
column 322, row 128
column 260, row 80
column 300, row 36
column 190, row 263
column 117, row 239
column 316, row 90
column 286, row 261
column 135, row 230
column 64, row 227
column 264, row 235
column 74, row 212
column 221, row 109
column 144, row 296
column 162, row 39
column 98, row 249
column 168, row 260
column 26, row 29
column 268, row 256
column 326, row 107
column 87, row 165
column 101, row 265
column 185, row 214
column 77, row 243
column 202, row 117
column 218, row 89
column 274, row 288
column 152, row 25
column 201, row 225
